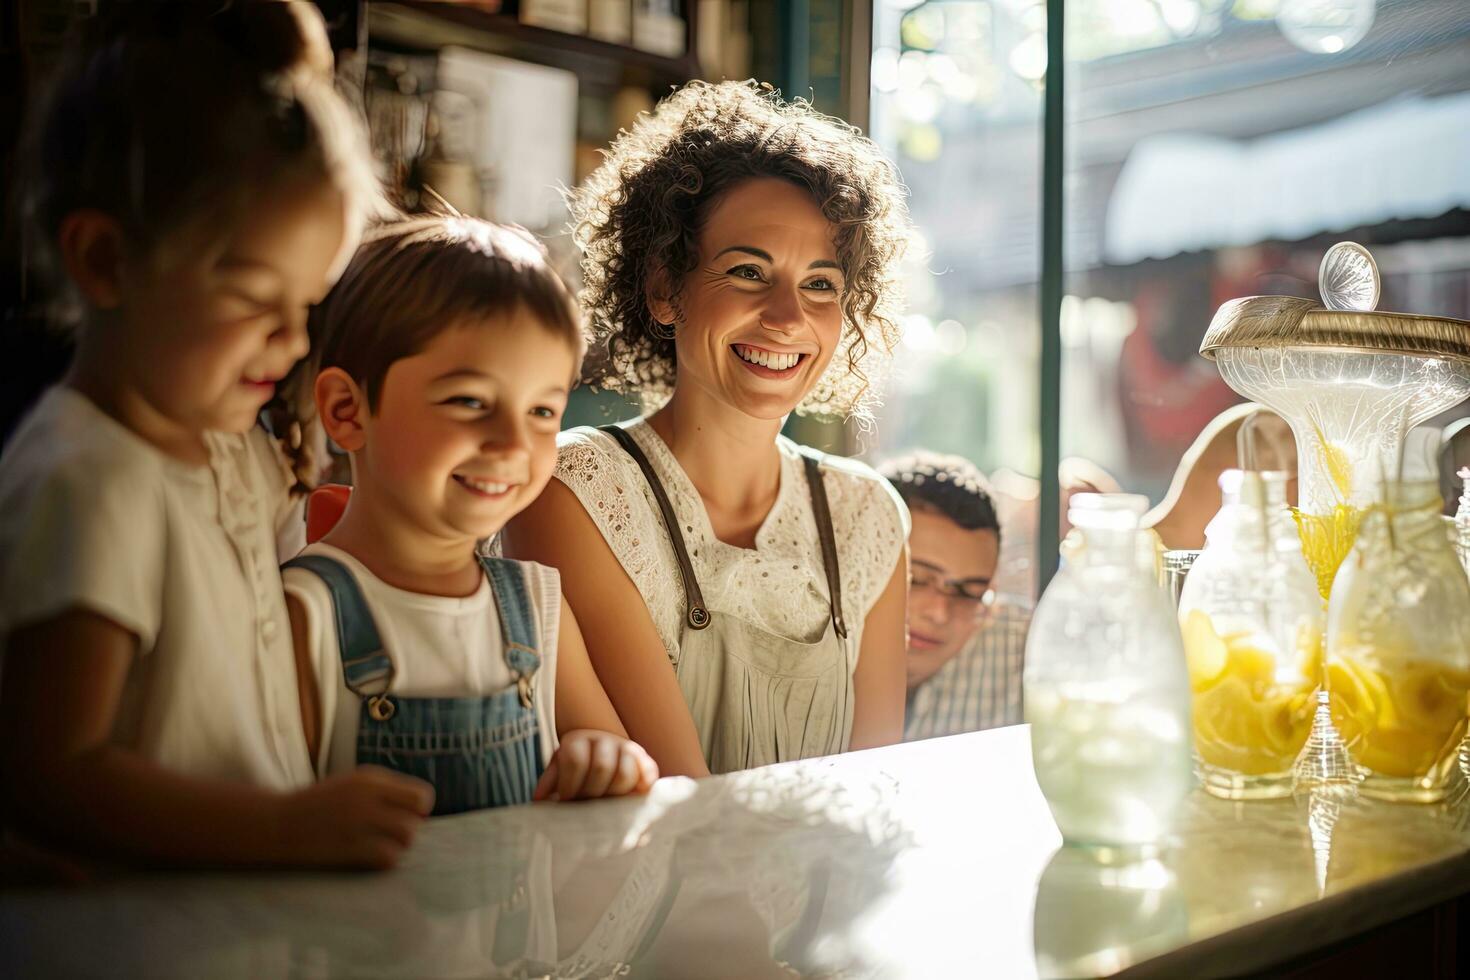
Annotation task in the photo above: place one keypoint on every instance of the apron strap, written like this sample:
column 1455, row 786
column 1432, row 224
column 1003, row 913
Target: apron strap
column 696, row 612
column 823, row 513
column 366, row 667
column 517, row 620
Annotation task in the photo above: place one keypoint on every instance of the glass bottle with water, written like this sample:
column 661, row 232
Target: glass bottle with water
column 1106, row 689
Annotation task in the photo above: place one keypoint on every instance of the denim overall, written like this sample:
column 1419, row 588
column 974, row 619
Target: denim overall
column 477, row 752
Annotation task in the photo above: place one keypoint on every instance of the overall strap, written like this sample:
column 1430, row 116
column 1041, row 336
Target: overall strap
column 517, row 621
column 823, row 513
column 366, row 667
column 696, row 613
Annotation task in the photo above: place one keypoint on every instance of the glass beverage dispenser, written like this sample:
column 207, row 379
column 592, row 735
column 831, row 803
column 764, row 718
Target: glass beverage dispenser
column 1349, row 380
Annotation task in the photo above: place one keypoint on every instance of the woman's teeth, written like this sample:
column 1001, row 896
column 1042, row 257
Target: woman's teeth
column 767, row 359
column 483, row 486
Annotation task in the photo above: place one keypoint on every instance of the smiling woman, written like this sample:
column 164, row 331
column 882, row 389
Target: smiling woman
column 640, row 216
column 743, row 597
column 770, row 312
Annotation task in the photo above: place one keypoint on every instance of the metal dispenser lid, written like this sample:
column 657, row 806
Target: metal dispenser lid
column 1343, row 320
column 1288, row 321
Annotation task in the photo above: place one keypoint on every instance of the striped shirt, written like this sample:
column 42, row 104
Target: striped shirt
column 981, row 687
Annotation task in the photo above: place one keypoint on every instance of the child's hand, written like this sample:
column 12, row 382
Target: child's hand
column 591, row 764
column 365, row 818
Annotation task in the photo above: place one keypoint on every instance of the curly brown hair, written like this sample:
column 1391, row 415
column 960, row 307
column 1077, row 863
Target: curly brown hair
column 640, row 214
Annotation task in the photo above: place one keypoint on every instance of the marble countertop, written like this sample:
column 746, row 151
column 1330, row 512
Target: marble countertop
column 924, row 860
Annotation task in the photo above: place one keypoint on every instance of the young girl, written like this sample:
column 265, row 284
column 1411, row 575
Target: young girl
column 199, row 184
column 443, row 362
column 743, row 598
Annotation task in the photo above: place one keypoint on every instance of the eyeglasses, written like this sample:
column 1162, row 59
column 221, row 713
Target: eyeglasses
column 965, row 593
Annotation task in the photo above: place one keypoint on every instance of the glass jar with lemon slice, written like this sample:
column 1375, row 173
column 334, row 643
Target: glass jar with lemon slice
column 1252, row 624
column 1398, row 640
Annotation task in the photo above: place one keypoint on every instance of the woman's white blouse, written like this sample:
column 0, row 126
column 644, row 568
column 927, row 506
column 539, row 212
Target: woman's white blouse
column 780, row 585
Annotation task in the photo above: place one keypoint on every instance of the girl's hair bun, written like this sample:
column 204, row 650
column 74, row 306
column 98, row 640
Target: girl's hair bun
column 173, row 117
column 267, row 35
column 278, row 36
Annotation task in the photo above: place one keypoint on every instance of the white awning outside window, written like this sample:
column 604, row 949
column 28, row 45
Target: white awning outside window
column 1404, row 159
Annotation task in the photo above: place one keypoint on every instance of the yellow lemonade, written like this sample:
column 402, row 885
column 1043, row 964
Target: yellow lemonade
column 1327, row 540
column 1401, row 720
column 1248, row 718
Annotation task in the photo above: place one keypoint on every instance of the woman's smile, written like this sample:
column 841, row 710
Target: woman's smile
column 766, row 363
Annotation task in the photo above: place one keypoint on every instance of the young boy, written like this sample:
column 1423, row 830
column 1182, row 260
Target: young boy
column 443, row 361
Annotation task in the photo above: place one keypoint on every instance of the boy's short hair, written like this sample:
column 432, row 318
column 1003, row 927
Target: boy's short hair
column 413, row 279
column 950, row 485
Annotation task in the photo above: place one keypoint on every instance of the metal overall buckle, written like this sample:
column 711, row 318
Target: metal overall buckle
column 380, row 707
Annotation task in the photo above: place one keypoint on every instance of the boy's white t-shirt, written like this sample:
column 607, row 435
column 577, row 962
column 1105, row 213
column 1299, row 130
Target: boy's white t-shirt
column 184, row 557
column 441, row 647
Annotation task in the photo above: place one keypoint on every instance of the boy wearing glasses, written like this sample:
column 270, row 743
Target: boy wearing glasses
column 965, row 648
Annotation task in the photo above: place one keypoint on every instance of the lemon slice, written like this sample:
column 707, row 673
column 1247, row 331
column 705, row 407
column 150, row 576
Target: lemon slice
column 1353, row 710
column 1429, row 698
column 1244, row 720
column 1255, row 666
column 1204, row 652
